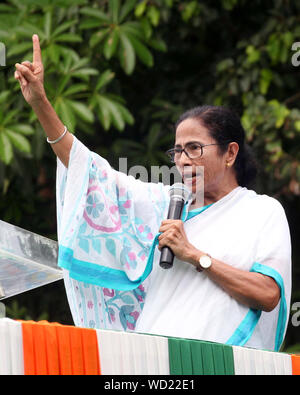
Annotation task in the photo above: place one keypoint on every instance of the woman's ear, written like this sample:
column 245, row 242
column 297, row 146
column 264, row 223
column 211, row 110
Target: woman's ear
column 232, row 151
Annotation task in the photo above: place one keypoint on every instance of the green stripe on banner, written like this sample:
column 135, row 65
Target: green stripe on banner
column 175, row 356
column 193, row 357
column 186, row 357
column 229, row 360
column 197, row 359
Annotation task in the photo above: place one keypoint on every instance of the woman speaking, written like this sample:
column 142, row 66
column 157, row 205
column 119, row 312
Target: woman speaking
column 231, row 277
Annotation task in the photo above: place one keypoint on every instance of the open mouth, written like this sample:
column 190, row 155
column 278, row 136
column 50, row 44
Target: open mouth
column 192, row 176
column 189, row 178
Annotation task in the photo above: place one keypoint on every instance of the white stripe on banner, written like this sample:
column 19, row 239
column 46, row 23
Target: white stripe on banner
column 124, row 353
column 249, row 361
column 11, row 347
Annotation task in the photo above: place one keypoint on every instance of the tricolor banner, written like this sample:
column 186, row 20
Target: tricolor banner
column 43, row 348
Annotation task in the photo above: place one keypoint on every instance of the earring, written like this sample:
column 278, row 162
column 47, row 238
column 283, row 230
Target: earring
column 228, row 164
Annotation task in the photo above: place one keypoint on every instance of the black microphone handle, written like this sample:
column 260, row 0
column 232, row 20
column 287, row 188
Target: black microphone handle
column 167, row 256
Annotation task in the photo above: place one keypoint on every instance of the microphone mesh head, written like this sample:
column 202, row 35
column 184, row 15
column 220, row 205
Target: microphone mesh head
column 180, row 191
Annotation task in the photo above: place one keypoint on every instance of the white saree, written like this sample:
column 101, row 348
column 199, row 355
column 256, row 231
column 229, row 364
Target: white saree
column 107, row 231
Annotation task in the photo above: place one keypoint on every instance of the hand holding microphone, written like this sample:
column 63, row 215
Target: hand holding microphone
column 173, row 240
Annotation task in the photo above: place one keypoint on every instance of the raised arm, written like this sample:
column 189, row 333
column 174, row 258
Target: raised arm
column 31, row 78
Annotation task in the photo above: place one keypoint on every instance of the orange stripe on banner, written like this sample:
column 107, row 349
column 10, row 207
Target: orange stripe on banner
column 28, row 348
column 64, row 349
column 40, row 353
column 296, row 364
column 76, row 349
column 51, row 347
column 90, row 352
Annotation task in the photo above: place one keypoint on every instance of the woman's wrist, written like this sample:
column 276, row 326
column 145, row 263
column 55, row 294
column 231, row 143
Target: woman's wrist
column 193, row 255
column 40, row 104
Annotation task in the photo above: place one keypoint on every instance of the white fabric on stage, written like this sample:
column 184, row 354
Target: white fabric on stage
column 11, row 347
column 258, row 362
column 124, row 353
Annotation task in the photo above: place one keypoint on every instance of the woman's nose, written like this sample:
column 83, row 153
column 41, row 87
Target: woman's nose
column 184, row 160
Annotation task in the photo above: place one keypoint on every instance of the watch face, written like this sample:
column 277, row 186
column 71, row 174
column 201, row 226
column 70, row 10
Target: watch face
column 205, row 261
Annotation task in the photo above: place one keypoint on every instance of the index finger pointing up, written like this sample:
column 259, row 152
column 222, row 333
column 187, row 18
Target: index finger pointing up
column 37, row 55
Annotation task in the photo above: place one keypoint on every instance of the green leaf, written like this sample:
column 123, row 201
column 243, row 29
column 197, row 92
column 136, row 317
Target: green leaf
column 116, row 115
column 9, row 116
column 19, row 141
column 28, row 29
column 140, row 9
column 104, row 79
column 91, row 23
column 104, row 112
column 280, row 111
column 3, row 96
column 225, row 65
column 85, row 73
column 22, row 129
column 64, row 26
column 147, row 28
column 95, row 13
column 273, row 47
column 253, row 54
column 69, row 37
column 297, row 126
column 78, row 63
column 18, row 49
column 66, row 113
column 142, row 51
column 127, row 116
column 126, row 9
column 189, row 10
column 82, row 111
column 6, row 150
column 229, row 4
column 97, row 37
column 47, row 24
column 158, row 44
column 266, row 77
column 75, row 88
column 153, row 14
column 110, row 110
column 114, row 7
column 133, row 28
column 54, row 52
column 126, row 54
column 111, row 44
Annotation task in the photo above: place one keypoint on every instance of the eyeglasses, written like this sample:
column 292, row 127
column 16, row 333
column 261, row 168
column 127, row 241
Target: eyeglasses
column 192, row 151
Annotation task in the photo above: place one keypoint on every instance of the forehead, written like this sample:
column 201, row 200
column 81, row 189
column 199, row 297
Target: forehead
column 192, row 130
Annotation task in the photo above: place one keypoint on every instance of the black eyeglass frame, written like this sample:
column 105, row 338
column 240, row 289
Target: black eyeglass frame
column 181, row 150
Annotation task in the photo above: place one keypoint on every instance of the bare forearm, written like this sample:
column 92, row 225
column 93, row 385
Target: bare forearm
column 251, row 289
column 54, row 128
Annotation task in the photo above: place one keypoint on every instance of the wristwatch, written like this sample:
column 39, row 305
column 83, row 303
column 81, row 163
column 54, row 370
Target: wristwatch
column 205, row 261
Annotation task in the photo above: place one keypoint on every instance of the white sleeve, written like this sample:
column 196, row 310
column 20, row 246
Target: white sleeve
column 273, row 259
column 107, row 220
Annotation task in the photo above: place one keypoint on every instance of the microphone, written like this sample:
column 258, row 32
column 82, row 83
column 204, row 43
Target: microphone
column 179, row 195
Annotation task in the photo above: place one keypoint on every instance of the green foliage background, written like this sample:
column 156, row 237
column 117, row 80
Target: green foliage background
column 119, row 73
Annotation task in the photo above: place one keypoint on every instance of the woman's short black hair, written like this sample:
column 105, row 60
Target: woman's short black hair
column 224, row 126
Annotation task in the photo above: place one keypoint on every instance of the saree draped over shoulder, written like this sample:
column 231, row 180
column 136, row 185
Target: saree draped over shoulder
column 107, row 232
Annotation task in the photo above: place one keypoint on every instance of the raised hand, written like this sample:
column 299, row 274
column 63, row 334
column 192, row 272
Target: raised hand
column 31, row 78
column 31, row 75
